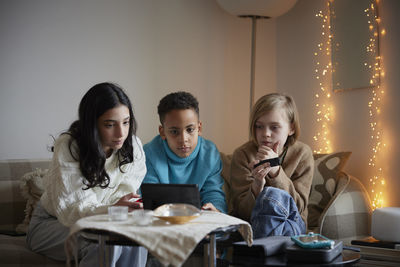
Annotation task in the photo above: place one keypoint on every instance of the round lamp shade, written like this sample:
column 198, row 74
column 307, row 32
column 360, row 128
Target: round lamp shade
column 264, row 8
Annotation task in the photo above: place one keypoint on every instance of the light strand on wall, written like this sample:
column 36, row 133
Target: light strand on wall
column 377, row 181
column 323, row 70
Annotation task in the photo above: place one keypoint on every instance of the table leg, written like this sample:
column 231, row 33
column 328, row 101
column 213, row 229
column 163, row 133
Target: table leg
column 77, row 251
column 101, row 250
column 212, row 258
column 107, row 252
column 206, row 254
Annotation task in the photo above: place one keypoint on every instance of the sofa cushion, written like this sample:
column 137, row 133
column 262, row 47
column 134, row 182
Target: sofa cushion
column 15, row 253
column 327, row 168
column 348, row 215
column 31, row 189
column 12, row 203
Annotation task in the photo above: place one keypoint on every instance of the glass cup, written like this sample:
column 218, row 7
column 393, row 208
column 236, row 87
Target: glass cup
column 142, row 217
column 118, row 213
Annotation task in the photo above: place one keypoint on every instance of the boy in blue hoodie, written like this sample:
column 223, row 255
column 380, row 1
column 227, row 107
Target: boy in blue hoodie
column 179, row 155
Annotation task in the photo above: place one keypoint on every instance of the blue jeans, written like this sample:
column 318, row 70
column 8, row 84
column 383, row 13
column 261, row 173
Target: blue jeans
column 276, row 213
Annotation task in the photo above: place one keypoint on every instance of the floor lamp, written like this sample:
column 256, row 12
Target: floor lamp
column 255, row 9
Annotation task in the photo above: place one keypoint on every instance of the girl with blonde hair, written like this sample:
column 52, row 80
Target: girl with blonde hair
column 273, row 197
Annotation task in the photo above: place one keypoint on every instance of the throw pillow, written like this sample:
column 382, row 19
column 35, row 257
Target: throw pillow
column 326, row 171
column 31, row 189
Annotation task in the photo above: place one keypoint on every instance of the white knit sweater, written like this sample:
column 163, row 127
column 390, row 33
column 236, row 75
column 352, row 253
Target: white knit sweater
column 64, row 196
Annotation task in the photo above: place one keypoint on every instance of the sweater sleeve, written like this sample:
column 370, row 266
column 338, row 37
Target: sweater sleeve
column 152, row 176
column 243, row 199
column 63, row 195
column 133, row 173
column 211, row 191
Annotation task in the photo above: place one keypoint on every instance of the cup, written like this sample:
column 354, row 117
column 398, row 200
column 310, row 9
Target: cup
column 118, row 213
column 142, row 217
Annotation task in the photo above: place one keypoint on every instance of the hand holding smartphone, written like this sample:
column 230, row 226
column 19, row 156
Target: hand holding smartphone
column 137, row 202
column 272, row 162
column 137, row 199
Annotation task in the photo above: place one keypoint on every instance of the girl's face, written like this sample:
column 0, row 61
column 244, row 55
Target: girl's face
column 113, row 127
column 273, row 127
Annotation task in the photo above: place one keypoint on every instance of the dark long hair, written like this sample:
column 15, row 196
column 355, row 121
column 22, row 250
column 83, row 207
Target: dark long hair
column 91, row 156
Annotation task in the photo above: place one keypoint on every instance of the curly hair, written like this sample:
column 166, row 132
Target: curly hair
column 177, row 100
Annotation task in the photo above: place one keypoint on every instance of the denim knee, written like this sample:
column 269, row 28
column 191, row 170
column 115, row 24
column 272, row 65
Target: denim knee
column 276, row 213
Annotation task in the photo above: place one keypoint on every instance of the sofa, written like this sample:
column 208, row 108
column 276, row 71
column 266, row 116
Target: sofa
column 18, row 194
column 339, row 206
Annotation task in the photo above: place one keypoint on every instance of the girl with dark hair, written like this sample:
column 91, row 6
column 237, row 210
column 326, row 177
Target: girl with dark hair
column 97, row 163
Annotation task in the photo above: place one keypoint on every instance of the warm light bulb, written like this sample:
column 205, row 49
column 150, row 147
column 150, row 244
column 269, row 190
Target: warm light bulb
column 377, row 182
column 322, row 95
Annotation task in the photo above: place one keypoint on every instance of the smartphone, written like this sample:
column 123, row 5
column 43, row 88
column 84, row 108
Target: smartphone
column 138, row 202
column 272, row 162
column 312, row 240
column 136, row 199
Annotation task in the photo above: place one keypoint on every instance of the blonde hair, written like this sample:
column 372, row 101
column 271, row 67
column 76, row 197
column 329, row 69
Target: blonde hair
column 274, row 101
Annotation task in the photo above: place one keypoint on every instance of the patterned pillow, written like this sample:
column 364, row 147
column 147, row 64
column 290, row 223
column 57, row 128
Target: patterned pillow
column 326, row 172
column 31, row 189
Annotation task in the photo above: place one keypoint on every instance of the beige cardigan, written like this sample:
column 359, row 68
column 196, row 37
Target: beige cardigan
column 295, row 176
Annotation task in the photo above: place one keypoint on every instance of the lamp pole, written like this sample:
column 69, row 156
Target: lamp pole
column 253, row 54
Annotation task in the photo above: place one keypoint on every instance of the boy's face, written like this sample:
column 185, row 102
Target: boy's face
column 181, row 128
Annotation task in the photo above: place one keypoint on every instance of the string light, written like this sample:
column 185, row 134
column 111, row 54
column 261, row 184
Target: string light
column 323, row 69
column 377, row 181
column 324, row 108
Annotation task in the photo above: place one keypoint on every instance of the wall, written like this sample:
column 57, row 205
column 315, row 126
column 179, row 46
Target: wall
column 52, row 52
column 298, row 33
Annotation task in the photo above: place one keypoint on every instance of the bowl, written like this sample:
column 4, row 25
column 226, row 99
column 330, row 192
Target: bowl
column 176, row 213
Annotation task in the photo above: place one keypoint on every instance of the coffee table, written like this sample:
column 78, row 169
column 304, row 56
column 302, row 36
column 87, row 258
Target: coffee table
column 159, row 237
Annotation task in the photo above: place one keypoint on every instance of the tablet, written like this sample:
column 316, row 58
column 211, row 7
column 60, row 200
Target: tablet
column 155, row 195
